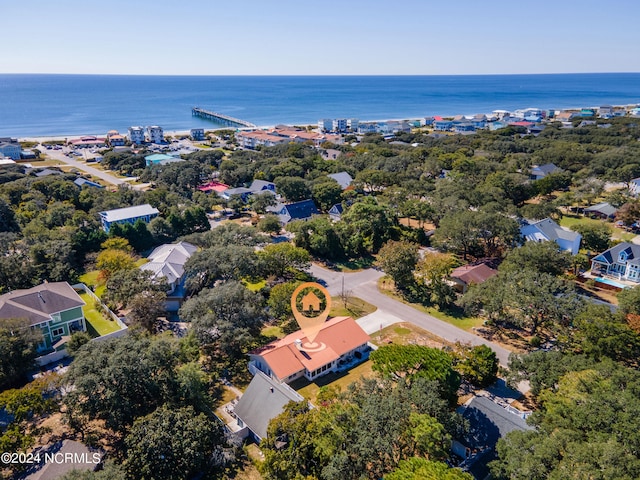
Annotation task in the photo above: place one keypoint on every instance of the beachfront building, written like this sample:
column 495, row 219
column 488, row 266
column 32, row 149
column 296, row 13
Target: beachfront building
column 88, row 141
column 343, row 344
column 442, row 125
column 155, row 134
column 549, row 231
column 325, row 125
column 258, row 138
column 114, row 139
column 55, row 308
column 621, row 261
column 136, row 135
column 10, row 150
column 131, row 215
column 197, row 134
column 353, row 124
column 339, row 125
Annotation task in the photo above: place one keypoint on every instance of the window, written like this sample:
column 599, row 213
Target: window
column 57, row 332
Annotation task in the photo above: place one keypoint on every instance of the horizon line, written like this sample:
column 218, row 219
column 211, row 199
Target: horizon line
column 318, row 75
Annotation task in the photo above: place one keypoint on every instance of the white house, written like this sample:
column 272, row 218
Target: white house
column 325, row 125
column 155, row 134
column 549, row 231
column 168, row 261
column 136, row 135
column 339, row 125
column 145, row 212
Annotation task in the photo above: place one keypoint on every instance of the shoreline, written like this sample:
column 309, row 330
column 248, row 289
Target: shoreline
column 173, row 133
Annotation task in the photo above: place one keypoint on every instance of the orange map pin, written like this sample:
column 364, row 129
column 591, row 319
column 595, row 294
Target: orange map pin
column 312, row 315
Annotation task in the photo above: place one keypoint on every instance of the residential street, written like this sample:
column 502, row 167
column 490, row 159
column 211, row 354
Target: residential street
column 364, row 285
column 96, row 172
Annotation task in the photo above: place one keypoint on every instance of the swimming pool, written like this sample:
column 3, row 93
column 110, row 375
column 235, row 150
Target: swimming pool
column 613, row 283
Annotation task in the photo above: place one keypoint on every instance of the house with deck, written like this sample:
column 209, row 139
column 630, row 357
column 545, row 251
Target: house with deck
column 621, row 261
column 340, row 344
column 54, row 308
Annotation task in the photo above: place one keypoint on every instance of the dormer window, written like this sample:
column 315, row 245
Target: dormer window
column 622, row 257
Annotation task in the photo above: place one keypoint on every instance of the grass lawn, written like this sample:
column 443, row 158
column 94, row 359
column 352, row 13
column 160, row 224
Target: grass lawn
column 569, row 221
column 454, row 317
column 97, row 324
column 273, row 331
column 356, row 308
column 90, row 279
column 255, row 287
column 407, row 334
column 309, row 390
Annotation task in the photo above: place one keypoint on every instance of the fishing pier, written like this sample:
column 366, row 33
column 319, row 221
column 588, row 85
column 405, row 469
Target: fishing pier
column 221, row 118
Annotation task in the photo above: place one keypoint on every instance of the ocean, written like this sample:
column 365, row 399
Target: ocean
column 58, row 105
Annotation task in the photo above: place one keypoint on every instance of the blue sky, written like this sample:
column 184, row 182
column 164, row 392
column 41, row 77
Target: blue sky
column 331, row 37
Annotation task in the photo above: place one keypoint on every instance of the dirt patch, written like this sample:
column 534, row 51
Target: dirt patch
column 413, row 223
column 405, row 333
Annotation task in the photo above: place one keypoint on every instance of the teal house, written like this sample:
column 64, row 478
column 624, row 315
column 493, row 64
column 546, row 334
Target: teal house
column 161, row 159
column 54, row 308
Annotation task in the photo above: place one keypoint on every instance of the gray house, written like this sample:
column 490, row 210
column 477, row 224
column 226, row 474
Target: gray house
column 488, row 422
column 264, row 399
column 541, row 171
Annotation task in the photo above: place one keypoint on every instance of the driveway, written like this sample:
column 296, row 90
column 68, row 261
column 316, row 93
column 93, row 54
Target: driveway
column 59, row 155
column 364, row 285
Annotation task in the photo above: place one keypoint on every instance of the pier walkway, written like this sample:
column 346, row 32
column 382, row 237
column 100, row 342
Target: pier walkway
column 221, row 118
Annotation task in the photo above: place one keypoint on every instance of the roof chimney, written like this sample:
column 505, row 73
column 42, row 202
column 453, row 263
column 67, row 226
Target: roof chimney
column 298, row 343
column 271, row 389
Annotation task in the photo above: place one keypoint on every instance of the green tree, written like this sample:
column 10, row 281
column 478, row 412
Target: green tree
column 421, row 469
column 294, row 188
column 416, row 361
column 540, row 257
column 629, row 301
column 326, row 194
column 226, row 320
column 478, row 365
column 146, row 308
column 455, row 232
column 596, row 237
column 173, row 444
column 76, row 342
column 282, row 259
column 398, row 260
column 118, row 380
column 365, row 226
column 260, row 201
column 280, row 300
column 112, row 261
column 206, row 267
column 17, row 349
column 270, row 224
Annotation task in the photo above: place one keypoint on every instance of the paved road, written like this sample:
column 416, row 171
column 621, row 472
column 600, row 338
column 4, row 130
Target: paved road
column 364, row 285
column 96, row 172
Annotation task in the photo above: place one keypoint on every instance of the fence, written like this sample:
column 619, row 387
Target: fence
column 114, row 317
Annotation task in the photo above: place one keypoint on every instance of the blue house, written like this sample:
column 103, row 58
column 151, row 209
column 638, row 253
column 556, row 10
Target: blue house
column 442, row 125
column 145, row 212
column 161, row 159
column 302, row 210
